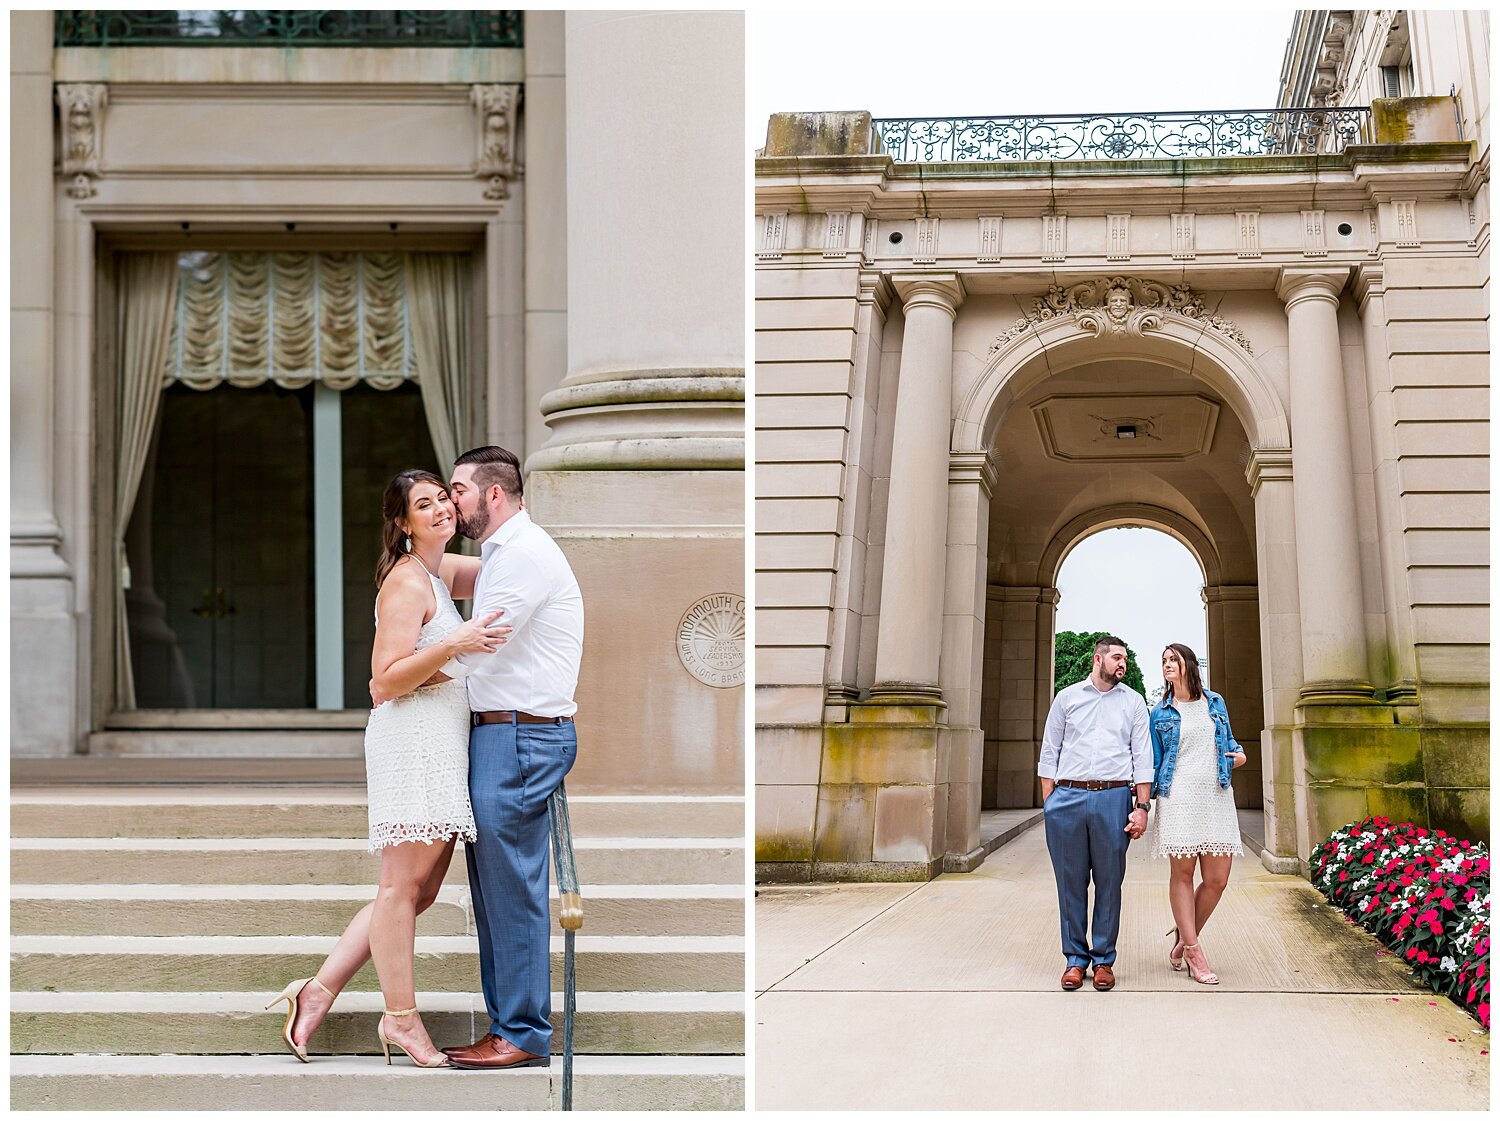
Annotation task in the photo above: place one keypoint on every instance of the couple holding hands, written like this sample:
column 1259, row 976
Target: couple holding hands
column 1103, row 756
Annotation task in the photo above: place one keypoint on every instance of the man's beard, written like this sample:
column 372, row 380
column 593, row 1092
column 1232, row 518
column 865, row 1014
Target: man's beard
column 476, row 527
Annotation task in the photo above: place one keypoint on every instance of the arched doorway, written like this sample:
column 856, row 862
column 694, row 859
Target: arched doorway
column 1083, row 430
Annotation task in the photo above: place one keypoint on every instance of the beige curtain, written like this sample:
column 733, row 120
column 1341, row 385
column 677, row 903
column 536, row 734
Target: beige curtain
column 291, row 318
column 438, row 298
column 145, row 298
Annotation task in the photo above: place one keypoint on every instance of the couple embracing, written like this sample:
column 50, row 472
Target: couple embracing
column 1103, row 756
column 471, row 733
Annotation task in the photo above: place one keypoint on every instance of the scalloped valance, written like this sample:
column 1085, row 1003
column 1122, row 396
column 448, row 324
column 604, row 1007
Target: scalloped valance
column 291, row 318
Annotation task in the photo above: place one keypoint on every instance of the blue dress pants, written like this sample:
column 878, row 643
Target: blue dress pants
column 1086, row 839
column 513, row 770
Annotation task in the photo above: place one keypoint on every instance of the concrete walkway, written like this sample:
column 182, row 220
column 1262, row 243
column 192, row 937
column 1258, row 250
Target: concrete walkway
column 945, row 996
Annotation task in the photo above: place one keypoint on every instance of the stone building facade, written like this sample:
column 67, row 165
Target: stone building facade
column 981, row 340
column 346, row 255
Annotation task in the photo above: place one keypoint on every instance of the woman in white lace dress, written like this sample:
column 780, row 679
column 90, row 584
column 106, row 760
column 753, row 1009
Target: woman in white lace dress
column 416, row 762
column 1195, row 825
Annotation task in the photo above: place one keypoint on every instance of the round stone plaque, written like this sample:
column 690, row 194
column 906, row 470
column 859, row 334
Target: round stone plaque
column 711, row 640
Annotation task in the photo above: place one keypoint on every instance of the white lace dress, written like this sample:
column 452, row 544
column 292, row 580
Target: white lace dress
column 1198, row 816
column 417, row 753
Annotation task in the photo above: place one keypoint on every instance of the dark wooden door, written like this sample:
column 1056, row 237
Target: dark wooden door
column 231, row 542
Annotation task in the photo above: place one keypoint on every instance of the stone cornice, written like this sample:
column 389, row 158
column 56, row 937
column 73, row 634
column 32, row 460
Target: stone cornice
column 875, row 289
column 972, row 467
column 937, row 289
column 1268, row 465
column 1321, row 282
column 1369, row 281
column 1354, row 178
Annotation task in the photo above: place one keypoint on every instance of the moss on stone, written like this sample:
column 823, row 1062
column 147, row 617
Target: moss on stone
column 1464, row 813
column 782, row 849
column 884, row 755
column 1456, row 755
column 1387, row 755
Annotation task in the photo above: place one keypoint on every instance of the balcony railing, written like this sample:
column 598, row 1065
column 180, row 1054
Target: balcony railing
column 419, row 28
column 1125, row 136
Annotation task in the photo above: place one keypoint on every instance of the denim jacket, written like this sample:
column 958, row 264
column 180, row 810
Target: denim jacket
column 1166, row 726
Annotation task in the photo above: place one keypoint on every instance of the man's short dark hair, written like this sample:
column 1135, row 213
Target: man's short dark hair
column 494, row 466
column 1106, row 641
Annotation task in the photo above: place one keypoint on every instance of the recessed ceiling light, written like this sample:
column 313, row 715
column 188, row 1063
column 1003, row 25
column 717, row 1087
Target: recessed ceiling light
column 1125, row 432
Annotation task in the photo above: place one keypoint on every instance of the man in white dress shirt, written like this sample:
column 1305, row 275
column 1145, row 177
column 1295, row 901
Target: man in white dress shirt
column 1096, row 747
column 521, row 745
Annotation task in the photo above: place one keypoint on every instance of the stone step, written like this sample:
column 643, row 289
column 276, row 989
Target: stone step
column 325, row 909
column 322, row 860
column 198, row 1083
column 444, row 963
column 326, row 812
column 229, row 1023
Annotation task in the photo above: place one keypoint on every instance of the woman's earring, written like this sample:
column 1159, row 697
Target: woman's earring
column 407, row 539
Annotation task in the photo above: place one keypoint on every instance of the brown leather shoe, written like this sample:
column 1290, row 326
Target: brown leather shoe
column 1104, row 978
column 478, row 1043
column 494, row 1053
column 1072, row 977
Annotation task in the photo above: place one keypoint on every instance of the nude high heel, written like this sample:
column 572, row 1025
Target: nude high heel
column 386, row 1043
column 1175, row 962
column 290, row 995
column 1207, row 977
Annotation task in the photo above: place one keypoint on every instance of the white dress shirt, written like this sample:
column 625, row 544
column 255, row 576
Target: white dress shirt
column 1101, row 736
column 524, row 573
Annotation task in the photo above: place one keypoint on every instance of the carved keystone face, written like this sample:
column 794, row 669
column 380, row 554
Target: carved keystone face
column 1117, row 303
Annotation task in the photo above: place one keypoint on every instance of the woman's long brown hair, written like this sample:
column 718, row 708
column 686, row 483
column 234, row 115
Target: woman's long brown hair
column 392, row 540
column 1190, row 674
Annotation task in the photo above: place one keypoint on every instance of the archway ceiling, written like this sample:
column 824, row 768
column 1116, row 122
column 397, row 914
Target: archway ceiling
column 1059, row 458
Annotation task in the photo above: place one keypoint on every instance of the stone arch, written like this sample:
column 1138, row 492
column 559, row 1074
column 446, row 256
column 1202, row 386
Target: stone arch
column 1179, row 342
column 1170, row 522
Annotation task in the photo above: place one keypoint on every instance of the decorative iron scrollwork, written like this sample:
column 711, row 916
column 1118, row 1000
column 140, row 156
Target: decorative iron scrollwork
column 1121, row 305
column 1125, row 136
column 388, row 28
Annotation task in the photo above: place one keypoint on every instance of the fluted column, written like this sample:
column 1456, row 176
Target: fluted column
column 916, row 533
column 1334, row 654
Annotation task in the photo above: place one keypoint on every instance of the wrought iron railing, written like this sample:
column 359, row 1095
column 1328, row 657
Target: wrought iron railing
column 1125, row 136
column 288, row 28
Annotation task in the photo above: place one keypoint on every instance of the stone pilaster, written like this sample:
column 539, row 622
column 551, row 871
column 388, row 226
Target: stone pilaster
column 1335, row 662
column 43, row 622
column 1283, row 773
column 909, row 639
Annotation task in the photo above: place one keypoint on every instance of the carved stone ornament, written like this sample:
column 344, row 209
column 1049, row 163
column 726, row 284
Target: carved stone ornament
column 711, row 640
column 82, row 110
column 496, row 107
column 1120, row 305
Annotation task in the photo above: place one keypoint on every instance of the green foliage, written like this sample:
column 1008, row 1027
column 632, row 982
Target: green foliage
column 1073, row 660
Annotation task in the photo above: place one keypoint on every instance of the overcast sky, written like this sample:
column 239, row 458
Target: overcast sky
column 919, row 61
column 913, row 62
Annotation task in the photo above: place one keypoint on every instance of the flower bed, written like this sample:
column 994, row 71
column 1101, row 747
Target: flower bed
column 1424, row 894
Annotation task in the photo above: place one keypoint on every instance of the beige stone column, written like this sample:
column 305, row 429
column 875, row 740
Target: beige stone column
column 909, row 641
column 545, row 194
column 655, row 221
column 1334, row 655
column 642, row 478
column 1283, row 775
column 1045, row 659
column 1234, row 673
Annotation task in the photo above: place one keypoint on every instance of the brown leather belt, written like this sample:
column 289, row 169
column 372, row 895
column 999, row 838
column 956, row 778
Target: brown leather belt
column 511, row 716
column 1092, row 783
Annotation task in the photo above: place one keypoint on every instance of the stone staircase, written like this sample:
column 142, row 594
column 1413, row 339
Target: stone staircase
column 150, row 925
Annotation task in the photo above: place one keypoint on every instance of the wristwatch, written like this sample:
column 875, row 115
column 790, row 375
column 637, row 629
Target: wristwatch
column 1143, row 806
